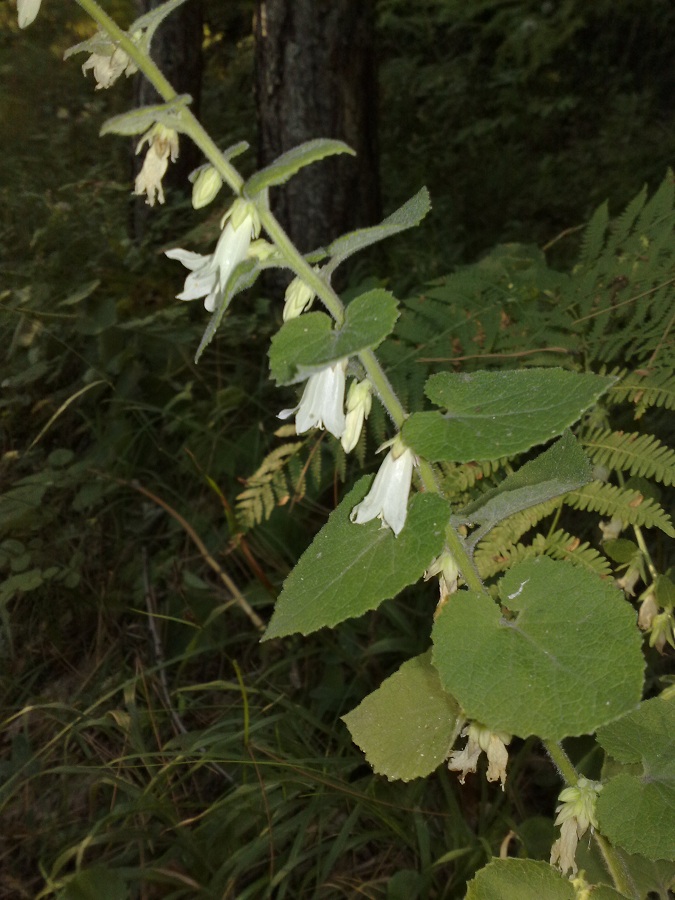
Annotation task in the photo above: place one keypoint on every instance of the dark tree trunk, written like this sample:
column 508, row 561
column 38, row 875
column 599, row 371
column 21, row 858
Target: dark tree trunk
column 316, row 77
column 177, row 50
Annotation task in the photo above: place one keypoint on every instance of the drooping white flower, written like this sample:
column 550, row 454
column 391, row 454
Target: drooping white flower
column 447, row 570
column 107, row 59
column 108, row 68
column 576, row 812
column 162, row 147
column 27, row 10
column 322, row 402
column 387, row 498
column 298, row 298
column 480, row 739
column 209, row 275
column 359, row 402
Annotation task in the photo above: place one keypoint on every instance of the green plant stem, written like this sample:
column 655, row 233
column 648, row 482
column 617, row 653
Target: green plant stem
column 621, row 878
column 190, row 126
column 561, row 761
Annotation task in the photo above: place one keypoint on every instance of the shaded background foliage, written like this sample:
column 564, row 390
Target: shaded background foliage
column 520, row 117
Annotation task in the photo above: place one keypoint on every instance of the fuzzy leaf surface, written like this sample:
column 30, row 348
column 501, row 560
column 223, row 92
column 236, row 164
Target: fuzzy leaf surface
column 408, row 725
column 495, row 414
column 561, row 468
column 527, row 879
column 288, row 164
column 567, row 662
column 306, row 344
column 407, row 216
column 637, row 810
column 349, row 569
column 141, row 119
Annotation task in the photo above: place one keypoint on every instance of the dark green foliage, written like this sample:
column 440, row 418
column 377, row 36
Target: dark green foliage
column 169, row 749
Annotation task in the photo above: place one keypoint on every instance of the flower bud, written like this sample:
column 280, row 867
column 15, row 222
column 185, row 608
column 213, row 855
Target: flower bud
column 299, row 297
column 206, row 184
column 359, row 403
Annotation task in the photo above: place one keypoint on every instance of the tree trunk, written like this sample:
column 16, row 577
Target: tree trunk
column 315, row 77
column 177, row 50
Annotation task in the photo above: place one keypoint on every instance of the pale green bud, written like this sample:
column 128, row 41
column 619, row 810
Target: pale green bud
column 359, row 403
column 206, row 182
column 299, row 297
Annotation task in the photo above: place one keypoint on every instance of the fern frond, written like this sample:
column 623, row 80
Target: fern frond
column 491, row 564
column 458, row 478
column 639, row 454
column 559, row 545
column 629, row 506
column 594, row 236
column 270, row 485
column 656, row 388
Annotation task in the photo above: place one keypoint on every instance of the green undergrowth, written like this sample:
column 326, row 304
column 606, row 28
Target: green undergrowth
column 149, row 747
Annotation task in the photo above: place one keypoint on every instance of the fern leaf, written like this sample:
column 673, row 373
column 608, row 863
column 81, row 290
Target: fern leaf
column 639, row 454
column 622, row 227
column 268, row 487
column 656, row 388
column 559, row 545
column 621, row 503
column 594, row 236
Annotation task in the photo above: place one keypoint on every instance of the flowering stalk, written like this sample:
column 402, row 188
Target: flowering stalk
column 190, row 126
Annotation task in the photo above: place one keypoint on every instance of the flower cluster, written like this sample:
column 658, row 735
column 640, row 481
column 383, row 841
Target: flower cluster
column 481, row 739
column 576, row 812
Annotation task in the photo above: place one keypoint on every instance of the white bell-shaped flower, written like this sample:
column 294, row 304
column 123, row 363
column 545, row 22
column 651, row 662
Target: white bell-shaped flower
column 27, row 11
column 209, row 275
column 322, row 402
column 387, row 498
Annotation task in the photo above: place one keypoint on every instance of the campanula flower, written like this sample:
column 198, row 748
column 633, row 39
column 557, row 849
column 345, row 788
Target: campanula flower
column 322, row 402
column 209, row 275
column 387, row 498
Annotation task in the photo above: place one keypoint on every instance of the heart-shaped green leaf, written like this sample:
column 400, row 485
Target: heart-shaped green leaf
column 637, row 811
column 349, row 569
column 408, row 725
column 563, row 659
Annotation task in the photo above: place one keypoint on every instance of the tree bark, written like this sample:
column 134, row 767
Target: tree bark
column 177, row 50
column 316, row 77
